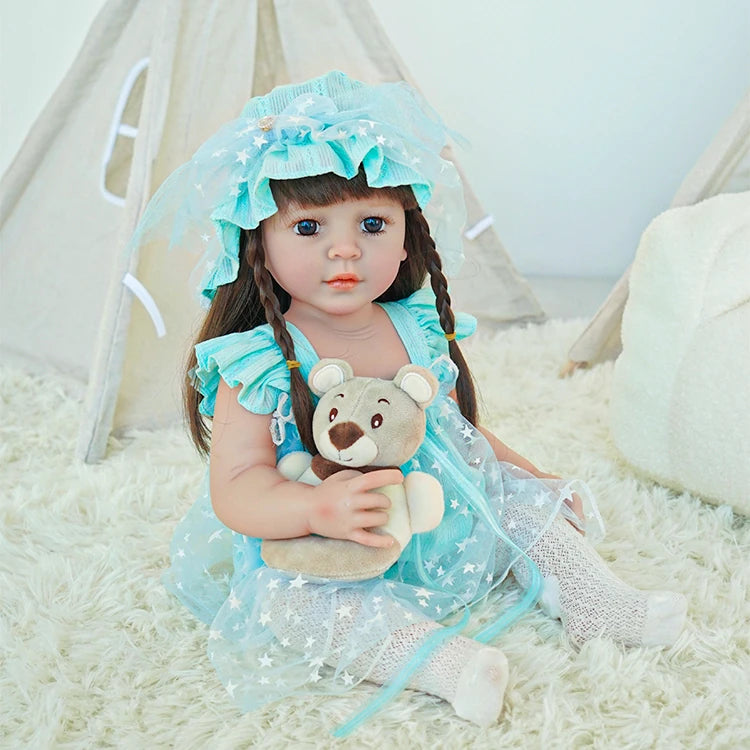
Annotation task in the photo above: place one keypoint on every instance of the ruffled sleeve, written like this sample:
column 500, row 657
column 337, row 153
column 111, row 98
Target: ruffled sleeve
column 251, row 359
column 421, row 306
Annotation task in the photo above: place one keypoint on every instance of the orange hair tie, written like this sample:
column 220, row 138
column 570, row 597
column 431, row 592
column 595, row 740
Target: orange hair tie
column 292, row 363
column 450, row 336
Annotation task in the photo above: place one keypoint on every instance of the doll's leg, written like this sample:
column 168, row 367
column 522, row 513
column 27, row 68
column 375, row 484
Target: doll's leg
column 467, row 674
column 585, row 594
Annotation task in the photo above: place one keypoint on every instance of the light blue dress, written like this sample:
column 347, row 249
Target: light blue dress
column 272, row 635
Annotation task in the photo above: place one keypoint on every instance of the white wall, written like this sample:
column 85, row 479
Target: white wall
column 583, row 116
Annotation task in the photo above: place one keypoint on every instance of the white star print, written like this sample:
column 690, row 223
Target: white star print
column 454, row 503
column 540, row 499
column 230, row 688
column 298, row 582
column 284, row 642
column 437, row 467
column 316, row 662
column 440, row 571
column 423, row 592
column 470, row 568
column 264, row 681
column 309, row 642
column 265, row 618
column 216, row 535
column 422, row 603
column 273, row 584
column 461, row 545
column 380, row 139
column 347, row 678
column 314, row 676
column 242, row 156
column 214, row 635
column 180, row 552
column 362, row 131
column 488, row 578
column 265, row 660
column 344, row 611
column 259, row 140
column 220, row 152
column 234, row 602
column 467, row 431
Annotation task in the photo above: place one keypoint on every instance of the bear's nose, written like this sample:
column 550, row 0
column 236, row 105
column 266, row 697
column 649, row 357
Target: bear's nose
column 344, row 435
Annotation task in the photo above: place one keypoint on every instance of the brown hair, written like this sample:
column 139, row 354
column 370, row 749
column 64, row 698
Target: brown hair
column 255, row 298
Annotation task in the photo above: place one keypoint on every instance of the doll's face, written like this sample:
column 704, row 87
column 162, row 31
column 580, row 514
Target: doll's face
column 336, row 258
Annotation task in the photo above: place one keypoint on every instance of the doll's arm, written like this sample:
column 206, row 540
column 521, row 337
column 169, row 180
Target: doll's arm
column 250, row 496
column 504, row 453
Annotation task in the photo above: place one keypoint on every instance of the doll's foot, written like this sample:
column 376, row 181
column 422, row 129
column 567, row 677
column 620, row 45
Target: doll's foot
column 588, row 597
column 665, row 618
column 481, row 687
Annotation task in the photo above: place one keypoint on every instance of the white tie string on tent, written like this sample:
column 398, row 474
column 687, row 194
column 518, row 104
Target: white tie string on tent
column 148, row 302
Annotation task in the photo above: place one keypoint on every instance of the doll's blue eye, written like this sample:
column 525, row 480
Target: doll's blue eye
column 306, row 227
column 373, row 224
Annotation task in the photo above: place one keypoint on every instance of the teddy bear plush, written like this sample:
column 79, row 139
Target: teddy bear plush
column 365, row 424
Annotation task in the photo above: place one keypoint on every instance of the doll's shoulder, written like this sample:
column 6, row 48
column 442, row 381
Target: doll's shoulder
column 419, row 313
column 251, row 359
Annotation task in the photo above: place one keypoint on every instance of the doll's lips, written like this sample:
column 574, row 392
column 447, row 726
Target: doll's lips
column 343, row 281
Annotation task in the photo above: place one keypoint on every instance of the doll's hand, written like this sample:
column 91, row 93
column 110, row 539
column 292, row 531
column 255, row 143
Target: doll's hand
column 343, row 508
column 574, row 503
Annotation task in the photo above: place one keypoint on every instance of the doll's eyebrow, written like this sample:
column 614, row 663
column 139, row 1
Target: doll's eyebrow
column 385, row 400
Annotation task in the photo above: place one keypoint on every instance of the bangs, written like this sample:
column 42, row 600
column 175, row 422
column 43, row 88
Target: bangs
column 327, row 189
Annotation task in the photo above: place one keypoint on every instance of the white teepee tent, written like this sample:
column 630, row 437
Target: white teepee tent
column 724, row 167
column 153, row 80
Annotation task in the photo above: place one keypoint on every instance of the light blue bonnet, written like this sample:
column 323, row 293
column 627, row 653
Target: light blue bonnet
column 328, row 124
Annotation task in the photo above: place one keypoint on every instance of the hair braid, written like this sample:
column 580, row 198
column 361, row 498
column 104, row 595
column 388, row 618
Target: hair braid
column 467, row 400
column 302, row 406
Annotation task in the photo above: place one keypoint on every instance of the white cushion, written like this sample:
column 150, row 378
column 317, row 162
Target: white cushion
column 680, row 409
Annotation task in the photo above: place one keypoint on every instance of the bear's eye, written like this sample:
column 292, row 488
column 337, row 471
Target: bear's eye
column 376, row 421
column 332, row 414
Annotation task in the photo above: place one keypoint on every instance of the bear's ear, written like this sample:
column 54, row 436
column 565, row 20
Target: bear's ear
column 327, row 374
column 417, row 382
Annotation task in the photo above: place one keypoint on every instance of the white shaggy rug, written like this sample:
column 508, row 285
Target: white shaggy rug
column 95, row 653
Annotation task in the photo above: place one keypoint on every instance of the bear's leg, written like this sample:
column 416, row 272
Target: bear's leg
column 584, row 593
column 467, row 674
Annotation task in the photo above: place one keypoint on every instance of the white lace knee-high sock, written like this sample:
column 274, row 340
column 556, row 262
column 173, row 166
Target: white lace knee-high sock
column 467, row 674
column 585, row 594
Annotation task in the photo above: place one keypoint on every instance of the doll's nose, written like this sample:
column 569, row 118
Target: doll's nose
column 344, row 246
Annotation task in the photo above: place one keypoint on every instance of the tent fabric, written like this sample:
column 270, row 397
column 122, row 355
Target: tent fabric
column 724, row 167
column 153, row 79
